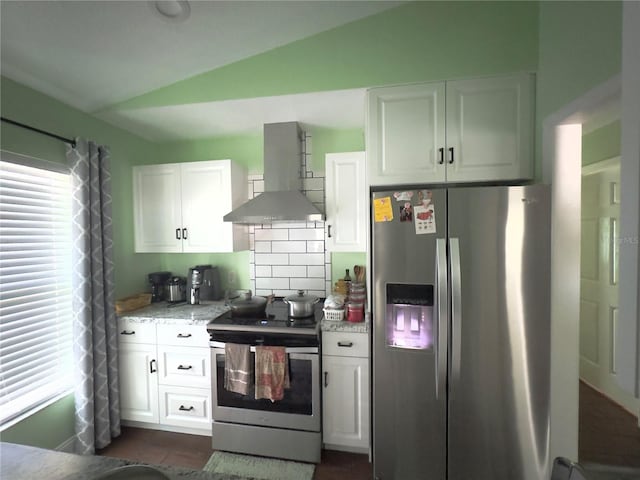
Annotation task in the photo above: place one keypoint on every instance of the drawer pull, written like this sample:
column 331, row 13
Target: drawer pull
column 185, row 409
column 182, row 335
column 345, row 344
column 183, row 367
column 128, row 332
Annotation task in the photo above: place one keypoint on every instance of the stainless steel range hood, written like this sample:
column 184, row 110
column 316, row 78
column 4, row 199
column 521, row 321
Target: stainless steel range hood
column 282, row 200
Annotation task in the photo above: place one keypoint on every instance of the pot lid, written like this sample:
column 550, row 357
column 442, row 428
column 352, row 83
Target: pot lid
column 248, row 302
column 177, row 281
column 300, row 297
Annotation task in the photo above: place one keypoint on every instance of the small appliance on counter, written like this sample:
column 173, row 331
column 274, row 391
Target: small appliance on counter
column 203, row 283
column 176, row 289
column 158, row 281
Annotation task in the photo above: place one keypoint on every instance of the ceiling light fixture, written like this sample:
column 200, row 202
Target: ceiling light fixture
column 175, row 11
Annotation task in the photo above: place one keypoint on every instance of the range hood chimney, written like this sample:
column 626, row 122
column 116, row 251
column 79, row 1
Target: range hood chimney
column 282, row 200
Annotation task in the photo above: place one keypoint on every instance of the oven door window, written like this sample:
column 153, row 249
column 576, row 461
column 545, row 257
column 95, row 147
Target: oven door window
column 298, row 398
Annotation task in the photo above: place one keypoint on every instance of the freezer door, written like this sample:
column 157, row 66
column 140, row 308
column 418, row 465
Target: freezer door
column 409, row 337
column 500, row 355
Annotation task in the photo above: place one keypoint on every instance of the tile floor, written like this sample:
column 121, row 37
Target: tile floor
column 608, row 435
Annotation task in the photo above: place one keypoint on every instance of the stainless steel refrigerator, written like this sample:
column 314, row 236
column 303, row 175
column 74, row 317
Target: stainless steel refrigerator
column 461, row 333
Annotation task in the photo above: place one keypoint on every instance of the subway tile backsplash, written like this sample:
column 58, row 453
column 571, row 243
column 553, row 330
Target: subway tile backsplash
column 287, row 256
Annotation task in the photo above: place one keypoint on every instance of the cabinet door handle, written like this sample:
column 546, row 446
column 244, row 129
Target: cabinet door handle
column 185, row 409
column 182, row 335
column 128, row 332
column 345, row 344
column 178, row 237
column 329, row 231
column 184, row 233
column 441, row 151
column 326, row 379
column 451, row 155
column 183, row 367
column 151, row 368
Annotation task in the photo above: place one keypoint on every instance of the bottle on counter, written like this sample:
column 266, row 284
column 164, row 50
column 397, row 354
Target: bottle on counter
column 347, row 277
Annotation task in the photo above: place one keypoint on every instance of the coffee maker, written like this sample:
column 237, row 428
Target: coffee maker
column 203, row 283
column 158, row 281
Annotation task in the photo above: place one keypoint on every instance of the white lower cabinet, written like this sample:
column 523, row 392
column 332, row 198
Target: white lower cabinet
column 138, row 382
column 165, row 376
column 185, row 407
column 346, row 404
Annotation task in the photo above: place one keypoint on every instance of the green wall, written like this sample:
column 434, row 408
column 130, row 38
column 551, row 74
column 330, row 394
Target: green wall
column 601, row 144
column 419, row 41
column 54, row 425
column 247, row 150
column 47, row 428
column 580, row 48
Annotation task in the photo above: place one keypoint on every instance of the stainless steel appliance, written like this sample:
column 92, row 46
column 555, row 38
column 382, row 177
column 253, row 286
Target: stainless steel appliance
column 287, row 428
column 282, row 199
column 176, row 290
column 203, row 284
column 461, row 332
column 158, row 281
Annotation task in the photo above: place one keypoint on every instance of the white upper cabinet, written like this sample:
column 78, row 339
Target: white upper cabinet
column 457, row 131
column 157, row 208
column 346, row 202
column 178, row 207
column 405, row 132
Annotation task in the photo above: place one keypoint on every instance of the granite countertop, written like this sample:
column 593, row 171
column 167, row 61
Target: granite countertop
column 20, row 462
column 344, row 326
column 183, row 314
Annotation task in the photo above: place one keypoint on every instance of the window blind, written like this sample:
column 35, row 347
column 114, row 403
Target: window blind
column 35, row 287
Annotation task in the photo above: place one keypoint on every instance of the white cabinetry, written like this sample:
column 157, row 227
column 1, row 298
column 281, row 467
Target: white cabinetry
column 138, row 369
column 345, row 375
column 178, row 207
column 165, row 376
column 185, row 376
column 457, row 131
column 346, row 202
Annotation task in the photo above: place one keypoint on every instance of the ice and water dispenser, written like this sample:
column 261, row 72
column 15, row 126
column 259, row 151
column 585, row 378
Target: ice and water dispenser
column 409, row 319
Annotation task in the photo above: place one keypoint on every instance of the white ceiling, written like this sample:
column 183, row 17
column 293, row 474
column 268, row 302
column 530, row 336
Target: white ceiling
column 92, row 54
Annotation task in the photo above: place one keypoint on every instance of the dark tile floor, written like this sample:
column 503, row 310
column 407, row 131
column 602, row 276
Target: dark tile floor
column 193, row 451
column 608, row 434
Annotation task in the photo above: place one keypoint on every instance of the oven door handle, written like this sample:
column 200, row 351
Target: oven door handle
column 214, row 344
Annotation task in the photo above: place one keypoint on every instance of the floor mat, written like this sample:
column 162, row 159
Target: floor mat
column 258, row 468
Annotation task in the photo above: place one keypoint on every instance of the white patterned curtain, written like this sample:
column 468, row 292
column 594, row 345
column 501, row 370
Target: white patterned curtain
column 97, row 418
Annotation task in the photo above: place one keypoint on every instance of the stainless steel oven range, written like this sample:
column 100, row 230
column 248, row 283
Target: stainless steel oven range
column 287, row 428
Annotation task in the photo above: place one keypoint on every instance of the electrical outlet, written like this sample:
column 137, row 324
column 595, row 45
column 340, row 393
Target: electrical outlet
column 231, row 277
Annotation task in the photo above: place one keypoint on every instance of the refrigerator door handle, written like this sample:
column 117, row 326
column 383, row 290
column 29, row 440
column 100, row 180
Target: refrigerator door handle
column 456, row 309
column 441, row 316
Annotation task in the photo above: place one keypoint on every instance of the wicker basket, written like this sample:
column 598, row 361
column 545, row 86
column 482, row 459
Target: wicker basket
column 133, row 302
column 333, row 315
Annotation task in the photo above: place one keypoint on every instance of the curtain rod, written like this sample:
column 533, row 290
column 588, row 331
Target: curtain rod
column 43, row 132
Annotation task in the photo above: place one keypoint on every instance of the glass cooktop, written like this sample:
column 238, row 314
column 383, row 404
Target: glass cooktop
column 275, row 320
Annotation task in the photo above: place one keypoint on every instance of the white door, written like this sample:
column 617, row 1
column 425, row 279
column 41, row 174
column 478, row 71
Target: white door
column 346, row 202
column 346, row 402
column 138, row 372
column 206, row 198
column 599, row 280
column 156, row 208
column 489, row 128
column 405, row 134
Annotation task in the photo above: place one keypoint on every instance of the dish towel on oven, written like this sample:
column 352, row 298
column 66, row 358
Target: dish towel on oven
column 272, row 372
column 237, row 368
